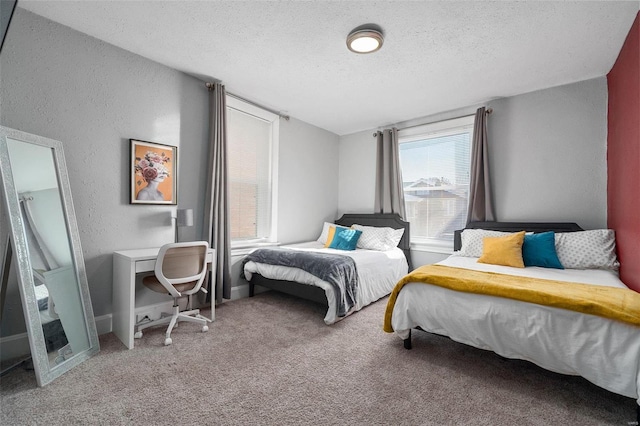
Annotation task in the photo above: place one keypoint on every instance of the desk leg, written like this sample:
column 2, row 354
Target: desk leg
column 124, row 286
column 213, row 293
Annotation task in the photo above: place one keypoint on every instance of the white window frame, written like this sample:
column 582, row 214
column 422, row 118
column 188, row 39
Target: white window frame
column 420, row 132
column 274, row 120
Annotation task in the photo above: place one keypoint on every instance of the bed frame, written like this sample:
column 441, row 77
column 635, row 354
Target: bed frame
column 514, row 227
column 506, row 227
column 317, row 294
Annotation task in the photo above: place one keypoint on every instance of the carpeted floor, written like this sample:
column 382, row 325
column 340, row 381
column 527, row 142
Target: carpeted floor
column 270, row 360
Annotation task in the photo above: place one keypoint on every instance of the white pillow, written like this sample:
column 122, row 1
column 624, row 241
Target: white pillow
column 595, row 249
column 378, row 238
column 325, row 231
column 395, row 236
column 472, row 241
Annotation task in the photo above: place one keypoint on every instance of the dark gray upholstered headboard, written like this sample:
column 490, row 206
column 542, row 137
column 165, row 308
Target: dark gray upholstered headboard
column 516, row 227
column 391, row 220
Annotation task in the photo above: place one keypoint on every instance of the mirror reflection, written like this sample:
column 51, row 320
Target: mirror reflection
column 55, row 282
column 47, row 254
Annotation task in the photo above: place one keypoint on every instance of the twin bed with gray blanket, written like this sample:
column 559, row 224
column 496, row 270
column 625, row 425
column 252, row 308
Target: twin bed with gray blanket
column 342, row 280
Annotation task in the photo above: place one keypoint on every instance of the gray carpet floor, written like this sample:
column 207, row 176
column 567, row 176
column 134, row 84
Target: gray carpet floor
column 270, row 360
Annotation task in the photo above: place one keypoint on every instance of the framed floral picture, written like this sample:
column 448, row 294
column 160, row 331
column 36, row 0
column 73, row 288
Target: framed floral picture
column 154, row 178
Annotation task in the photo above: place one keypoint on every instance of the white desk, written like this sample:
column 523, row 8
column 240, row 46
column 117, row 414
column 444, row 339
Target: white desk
column 126, row 264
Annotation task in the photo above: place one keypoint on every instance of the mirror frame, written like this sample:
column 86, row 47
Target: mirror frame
column 44, row 371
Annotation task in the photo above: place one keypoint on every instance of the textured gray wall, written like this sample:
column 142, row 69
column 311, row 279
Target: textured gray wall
column 308, row 180
column 92, row 96
column 549, row 154
column 547, row 157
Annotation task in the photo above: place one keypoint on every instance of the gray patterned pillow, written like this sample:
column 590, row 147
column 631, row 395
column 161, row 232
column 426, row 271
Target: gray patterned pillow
column 472, row 241
column 378, row 238
column 595, row 249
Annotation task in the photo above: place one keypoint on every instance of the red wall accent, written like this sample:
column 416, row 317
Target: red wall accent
column 623, row 156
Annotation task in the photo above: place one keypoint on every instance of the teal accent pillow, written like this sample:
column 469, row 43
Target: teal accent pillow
column 540, row 250
column 345, row 239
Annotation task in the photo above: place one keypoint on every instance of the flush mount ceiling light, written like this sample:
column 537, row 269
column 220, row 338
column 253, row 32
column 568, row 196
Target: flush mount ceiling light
column 365, row 39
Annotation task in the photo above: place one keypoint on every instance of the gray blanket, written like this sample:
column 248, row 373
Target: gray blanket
column 339, row 271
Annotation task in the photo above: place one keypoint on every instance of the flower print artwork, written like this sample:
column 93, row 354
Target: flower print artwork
column 153, row 173
column 152, row 166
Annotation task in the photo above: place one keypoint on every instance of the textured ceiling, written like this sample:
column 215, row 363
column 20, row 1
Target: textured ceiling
column 291, row 55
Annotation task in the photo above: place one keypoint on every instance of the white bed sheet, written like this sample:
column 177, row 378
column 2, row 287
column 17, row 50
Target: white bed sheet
column 378, row 273
column 603, row 351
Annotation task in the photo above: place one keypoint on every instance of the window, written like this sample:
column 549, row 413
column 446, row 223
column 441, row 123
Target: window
column 435, row 160
column 252, row 138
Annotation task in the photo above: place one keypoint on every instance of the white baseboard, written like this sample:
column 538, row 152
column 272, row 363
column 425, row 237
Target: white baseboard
column 18, row 345
column 154, row 311
column 242, row 291
column 103, row 324
column 239, row 292
column 14, row 346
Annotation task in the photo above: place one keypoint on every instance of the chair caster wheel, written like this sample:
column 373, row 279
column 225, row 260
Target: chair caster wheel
column 205, row 328
column 168, row 341
column 137, row 335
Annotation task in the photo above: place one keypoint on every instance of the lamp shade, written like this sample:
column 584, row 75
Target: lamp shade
column 185, row 217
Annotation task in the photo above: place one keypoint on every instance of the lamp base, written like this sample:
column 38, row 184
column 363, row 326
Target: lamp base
column 174, row 222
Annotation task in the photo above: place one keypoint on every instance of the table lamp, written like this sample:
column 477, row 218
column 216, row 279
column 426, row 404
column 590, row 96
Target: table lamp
column 184, row 218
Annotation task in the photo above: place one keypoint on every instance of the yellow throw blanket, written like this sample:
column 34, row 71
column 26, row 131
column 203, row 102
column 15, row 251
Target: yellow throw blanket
column 615, row 303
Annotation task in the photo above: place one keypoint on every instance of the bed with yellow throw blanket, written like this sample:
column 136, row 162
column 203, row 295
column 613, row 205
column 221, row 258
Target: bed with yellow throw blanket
column 582, row 322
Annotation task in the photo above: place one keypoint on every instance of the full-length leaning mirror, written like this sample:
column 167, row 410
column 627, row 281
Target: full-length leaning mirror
column 45, row 248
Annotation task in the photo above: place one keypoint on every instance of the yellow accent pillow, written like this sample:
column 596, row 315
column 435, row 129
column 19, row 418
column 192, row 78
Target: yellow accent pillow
column 330, row 235
column 506, row 251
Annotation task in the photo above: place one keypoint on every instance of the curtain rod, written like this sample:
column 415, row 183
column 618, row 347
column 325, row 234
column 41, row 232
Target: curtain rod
column 278, row 113
column 487, row 112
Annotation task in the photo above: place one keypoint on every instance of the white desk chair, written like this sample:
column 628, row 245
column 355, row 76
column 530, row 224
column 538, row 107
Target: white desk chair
column 180, row 271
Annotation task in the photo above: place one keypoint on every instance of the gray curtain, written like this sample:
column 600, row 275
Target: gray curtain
column 480, row 205
column 216, row 217
column 389, row 192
